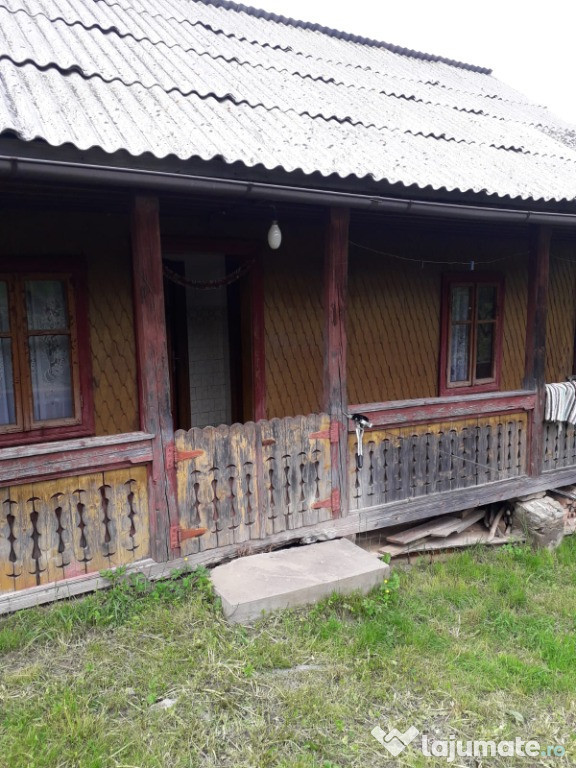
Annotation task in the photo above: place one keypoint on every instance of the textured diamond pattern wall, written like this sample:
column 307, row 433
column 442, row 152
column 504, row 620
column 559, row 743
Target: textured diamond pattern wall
column 294, row 325
column 112, row 340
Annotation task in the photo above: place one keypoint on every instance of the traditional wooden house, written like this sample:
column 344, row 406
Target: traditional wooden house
column 170, row 385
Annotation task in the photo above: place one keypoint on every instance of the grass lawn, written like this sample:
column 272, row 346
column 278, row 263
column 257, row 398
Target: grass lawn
column 480, row 645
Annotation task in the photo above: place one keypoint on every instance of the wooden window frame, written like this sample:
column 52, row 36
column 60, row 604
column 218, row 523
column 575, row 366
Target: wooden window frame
column 445, row 387
column 73, row 270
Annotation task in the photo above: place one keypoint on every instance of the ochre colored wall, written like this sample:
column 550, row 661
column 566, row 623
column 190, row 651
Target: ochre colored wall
column 394, row 310
column 394, row 305
column 393, row 327
column 294, row 323
column 103, row 240
column 561, row 312
column 112, row 340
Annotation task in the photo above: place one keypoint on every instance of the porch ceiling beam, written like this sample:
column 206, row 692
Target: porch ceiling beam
column 152, row 357
column 52, row 171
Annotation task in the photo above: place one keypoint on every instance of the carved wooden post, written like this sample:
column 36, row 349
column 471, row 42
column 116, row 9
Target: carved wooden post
column 535, row 361
column 153, row 377
column 335, row 384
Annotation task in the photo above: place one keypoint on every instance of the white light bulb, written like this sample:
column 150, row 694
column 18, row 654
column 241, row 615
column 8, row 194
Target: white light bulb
column 274, row 236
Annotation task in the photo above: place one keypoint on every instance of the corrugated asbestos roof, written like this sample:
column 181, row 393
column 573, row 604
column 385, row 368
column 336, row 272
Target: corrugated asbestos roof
column 201, row 79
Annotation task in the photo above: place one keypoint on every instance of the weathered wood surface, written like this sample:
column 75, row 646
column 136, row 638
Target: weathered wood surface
column 58, row 529
column 558, row 446
column 153, row 378
column 29, row 462
column 419, row 508
column 61, row 590
column 380, row 516
column 252, row 481
column 535, row 353
column 403, row 412
column 424, row 459
column 335, row 401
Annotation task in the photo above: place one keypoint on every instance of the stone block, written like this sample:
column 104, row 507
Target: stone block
column 251, row 586
column 541, row 520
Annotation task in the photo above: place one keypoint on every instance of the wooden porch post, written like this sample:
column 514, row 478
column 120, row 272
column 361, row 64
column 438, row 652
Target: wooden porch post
column 535, row 360
column 153, row 376
column 335, row 379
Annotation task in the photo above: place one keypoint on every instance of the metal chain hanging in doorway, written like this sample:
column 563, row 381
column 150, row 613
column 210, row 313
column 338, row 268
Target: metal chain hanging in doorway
column 209, row 285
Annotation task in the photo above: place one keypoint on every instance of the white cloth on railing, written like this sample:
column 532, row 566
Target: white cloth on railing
column 561, row 402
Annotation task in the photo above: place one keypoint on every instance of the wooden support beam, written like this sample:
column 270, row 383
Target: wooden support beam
column 153, row 378
column 335, row 383
column 535, row 357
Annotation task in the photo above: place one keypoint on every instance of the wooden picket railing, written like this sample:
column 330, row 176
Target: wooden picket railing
column 249, row 481
column 559, row 445
column 419, row 448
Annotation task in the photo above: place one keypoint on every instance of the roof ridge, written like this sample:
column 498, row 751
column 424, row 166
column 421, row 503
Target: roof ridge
column 341, row 35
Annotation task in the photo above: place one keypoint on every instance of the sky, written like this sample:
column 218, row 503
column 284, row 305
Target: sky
column 529, row 45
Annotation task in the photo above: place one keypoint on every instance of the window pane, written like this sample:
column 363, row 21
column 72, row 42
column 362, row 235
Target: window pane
column 51, row 377
column 46, row 305
column 461, row 303
column 4, row 310
column 7, row 406
column 460, row 353
column 486, row 301
column 485, row 351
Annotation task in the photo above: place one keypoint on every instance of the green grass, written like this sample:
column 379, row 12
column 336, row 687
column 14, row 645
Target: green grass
column 480, row 645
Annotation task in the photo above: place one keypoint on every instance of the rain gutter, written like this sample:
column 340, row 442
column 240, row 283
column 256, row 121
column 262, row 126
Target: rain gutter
column 160, row 181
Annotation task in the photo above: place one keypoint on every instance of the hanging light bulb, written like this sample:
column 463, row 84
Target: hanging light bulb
column 274, row 236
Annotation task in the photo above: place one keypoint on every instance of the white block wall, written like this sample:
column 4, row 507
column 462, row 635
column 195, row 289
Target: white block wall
column 208, row 344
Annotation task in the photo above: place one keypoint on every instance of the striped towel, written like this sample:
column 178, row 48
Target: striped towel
column 561, row 402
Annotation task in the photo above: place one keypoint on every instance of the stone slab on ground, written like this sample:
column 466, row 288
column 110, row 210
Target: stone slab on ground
column 251, row 586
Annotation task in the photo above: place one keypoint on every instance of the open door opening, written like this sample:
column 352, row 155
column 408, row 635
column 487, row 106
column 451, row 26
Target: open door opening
column 210, row 327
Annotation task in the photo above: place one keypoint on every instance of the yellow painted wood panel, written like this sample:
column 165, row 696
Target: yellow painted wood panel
column 70, row 526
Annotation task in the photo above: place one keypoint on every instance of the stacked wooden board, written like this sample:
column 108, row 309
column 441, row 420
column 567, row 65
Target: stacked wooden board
column 474, row 526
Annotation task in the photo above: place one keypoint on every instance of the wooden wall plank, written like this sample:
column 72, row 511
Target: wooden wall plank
column 7, row 582
column 25, row 546
column 38, row 462
column 88, row 501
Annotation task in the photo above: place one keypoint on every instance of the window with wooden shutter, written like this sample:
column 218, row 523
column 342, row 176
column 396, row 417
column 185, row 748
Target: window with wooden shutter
column 45, row 379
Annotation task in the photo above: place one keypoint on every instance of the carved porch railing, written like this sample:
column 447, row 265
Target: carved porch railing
column 250, row 481
column 559, row 445
column 420, row 448
column 72, row 508
column 58, row 529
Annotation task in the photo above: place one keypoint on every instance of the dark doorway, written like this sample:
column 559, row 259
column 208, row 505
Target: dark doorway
column 210, row 331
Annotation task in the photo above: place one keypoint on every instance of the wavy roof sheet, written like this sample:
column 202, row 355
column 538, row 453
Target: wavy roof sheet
column 207, row 79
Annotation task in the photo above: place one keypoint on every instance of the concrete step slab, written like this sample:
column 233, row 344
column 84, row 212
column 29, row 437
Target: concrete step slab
column 251, row 586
